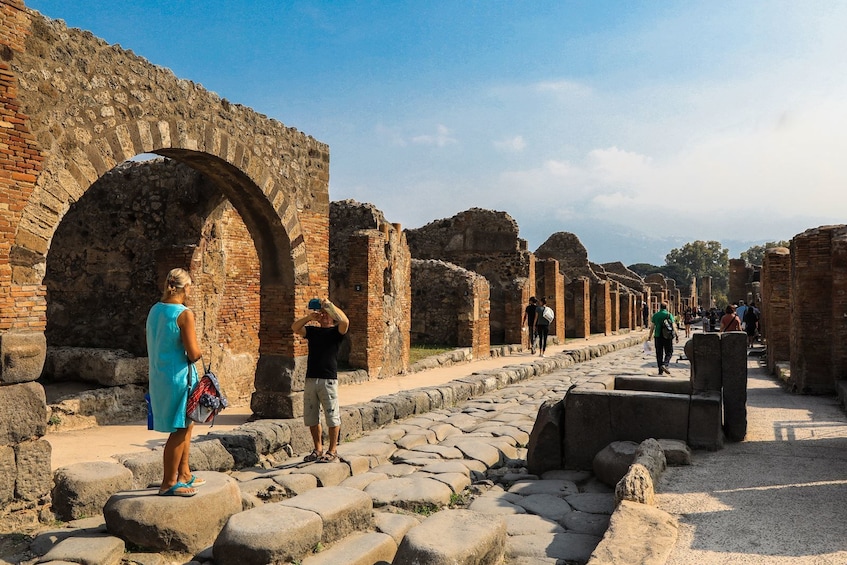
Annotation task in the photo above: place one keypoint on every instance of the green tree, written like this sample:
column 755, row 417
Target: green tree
column 756, row 254
column 644, row 269
column 703, row 259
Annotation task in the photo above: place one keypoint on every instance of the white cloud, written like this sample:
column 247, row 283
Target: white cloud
column 441, row 138
column 514, row 144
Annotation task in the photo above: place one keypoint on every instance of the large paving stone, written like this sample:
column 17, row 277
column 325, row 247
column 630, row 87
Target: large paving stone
column 447, row 467
column 342, row 510
column 455, row 537
column 586, row 523
column 525, row 524
column 170, row 522
column 568, row 547
column 327, row 474
column 92, row 549
column 443, row 451
column 379, row 452
column 475, row 449
column 409, row 492
column 443, row 430
column 546, row 505
column 495, row 505
column 456, row 481
column 637, row 534
column 557, row 487
column 358, row 549
column 363, row 480
column 271, row 533
column 594, row 502
column 295, row 483
column 395, row 525
column 395, row 470
column 82, row 489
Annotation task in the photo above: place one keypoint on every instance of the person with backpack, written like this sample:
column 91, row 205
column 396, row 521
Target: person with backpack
column 662, row 329
column 172, row 350
column 543, row 318
column 730, row 322
column 751, row 324
column 528, row 321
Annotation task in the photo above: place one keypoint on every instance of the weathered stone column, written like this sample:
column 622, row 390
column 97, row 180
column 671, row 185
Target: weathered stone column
column 601, row 315
column 578, row 310
column 367, row 262
column 614, row 307
column 706, row 293
column 738, row 277
column 550, row 284
column 776, row 305
column 734, row 379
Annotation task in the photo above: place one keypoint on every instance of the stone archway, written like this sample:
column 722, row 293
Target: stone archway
column 75, row 107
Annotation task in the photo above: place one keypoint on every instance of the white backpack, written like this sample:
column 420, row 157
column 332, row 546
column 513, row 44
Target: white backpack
column 548, row 314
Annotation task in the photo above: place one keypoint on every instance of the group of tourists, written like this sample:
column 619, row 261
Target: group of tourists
column 173, row 350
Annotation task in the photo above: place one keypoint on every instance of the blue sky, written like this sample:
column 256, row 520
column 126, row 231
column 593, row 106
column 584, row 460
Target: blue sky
column 638, row 126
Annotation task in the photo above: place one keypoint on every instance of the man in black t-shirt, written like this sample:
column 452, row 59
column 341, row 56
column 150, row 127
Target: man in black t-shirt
column 528, row 321
column 321, row 388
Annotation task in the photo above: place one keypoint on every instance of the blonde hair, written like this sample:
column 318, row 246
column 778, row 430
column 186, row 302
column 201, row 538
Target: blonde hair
column 176, row 282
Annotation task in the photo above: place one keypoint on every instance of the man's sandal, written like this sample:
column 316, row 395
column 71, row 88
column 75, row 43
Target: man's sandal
column 329, row 457
column 313, row 456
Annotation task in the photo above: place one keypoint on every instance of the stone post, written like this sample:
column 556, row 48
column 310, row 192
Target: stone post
column 734, row 379
column 706, row 293
column 578, row 310
column 776, row 305
column 601, row 315
column 367, row 262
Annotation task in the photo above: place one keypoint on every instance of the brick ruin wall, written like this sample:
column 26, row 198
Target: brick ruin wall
column 370, row 279
column 568, row 250
column 113, row 247
column 776, row 305
column 550, row 284
column 485, row 242
column 450, row 306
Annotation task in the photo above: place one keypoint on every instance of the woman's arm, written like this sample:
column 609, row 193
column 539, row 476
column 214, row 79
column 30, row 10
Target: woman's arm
column 187, row 330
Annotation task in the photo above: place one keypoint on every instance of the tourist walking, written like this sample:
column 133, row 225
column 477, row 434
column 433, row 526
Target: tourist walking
column 730, row 321
column 542, row 325
column 663, row 340
column 321, row 388
column 687, row 319
column 172, row 350
column 645, row 314
column 751, row 324
column 528, row 321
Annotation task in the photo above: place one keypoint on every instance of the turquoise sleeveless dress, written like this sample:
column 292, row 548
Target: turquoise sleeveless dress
column 169, row 368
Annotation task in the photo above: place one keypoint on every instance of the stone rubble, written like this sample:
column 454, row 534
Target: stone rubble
column 459, row 470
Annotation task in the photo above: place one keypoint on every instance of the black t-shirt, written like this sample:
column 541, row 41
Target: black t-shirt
column 322, row 362
column 530, row 314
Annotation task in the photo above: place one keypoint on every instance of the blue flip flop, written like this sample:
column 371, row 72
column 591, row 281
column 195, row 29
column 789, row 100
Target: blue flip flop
column 196, row 481
column 173, row 490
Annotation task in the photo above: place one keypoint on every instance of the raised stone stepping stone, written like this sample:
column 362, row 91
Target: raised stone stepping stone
column 357, row 549
column 363, row 480
column 395, row 525
column 546, row 505
column 568, row 547
column 595, row 503
column 174, row 523
column 586, row 523
column 271, row 533
column 553, row 486
column 456, row 481
column 525, row 524
column 342, row 510
column 637, row 534
column 82, row 489
column 88, row 548
column 455, row 537
column 327, row 474
column 410, row 493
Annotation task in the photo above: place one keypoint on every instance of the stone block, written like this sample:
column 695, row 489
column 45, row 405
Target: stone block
column 411, row 493
column 22, row 356
column 704, row 426
column 358, row 549
column 677, row 452
column 34, row 477
column 8, row 473
column 420, row 399
column 544, row 451
column 654, row 384
column 145, row 466
column 351, row 424
column 342, row 510
column 403, row 405
column 455, row 536
column 366, row 415
column 612, row 462
column 277, row 404
column 734, row 371
column 565, row 547
column 82, row 489
column 210, row 455
column 170, row 523
column 637, row 533
column 383, row 413
column 88, row 548
column 106, row 367
column 29, row 405
column 395, row 525
column 706, row 362
column 327, row 474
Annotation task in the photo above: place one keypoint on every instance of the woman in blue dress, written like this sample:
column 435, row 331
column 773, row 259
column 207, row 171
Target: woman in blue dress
column 172, row 350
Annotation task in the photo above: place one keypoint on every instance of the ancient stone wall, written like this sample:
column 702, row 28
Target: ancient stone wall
column 601, row 308
column 775, row 319
column 571, row 254
column 116, row 243
column 617, row 271
column 550, row 284
column 578, row 308
column 818, row 331
column 485, row 242
column 370, row 279
column 450, row 306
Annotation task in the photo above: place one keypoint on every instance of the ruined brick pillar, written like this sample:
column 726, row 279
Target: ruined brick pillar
column 818, row 324
column 627, row 310
column 601, row 308
column 615, row 306
column 738, row 277
column 775, row 319
column 552, row 288
column 367, row 262
column 706, row 293
column 578, row 309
